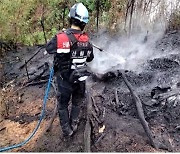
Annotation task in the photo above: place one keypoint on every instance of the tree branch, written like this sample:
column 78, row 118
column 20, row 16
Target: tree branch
column 139, row 110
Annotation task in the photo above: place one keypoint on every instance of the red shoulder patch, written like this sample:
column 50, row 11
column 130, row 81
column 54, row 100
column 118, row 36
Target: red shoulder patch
column 82, row 37
column 63, row 41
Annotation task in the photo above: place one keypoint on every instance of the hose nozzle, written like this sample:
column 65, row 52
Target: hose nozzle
column 100, row 49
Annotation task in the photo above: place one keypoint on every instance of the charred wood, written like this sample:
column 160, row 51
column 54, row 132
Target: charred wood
column 87, row 137
column 95, row 116
column 94, row 104
column 139, row 110
column 36, row 83
column 88, row 129
column 100, row 138
column 3, row 128
column 42, row 24
column 21, row 67
column 39, row 76
column 27, row 70
column 116, row 97
column 118, row 103
column 166, row 95
column 41, row 66
column 177, row 128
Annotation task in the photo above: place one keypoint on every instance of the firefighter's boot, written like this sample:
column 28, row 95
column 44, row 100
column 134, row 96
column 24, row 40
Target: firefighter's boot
column 74, row 117
column 65, row 123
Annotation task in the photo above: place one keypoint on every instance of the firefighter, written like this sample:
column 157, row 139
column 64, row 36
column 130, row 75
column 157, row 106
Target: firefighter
column 71, row 49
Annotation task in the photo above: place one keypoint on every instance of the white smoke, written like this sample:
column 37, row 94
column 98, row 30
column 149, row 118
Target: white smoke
column 131, row 53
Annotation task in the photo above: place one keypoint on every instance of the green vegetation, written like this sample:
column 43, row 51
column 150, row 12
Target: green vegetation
column 22, row 21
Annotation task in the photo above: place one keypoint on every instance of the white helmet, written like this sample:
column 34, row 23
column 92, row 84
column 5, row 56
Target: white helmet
column 79, row 12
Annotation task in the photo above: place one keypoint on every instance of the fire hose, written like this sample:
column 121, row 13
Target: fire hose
column 42, row 112
column 40, row 119
column 119, row 58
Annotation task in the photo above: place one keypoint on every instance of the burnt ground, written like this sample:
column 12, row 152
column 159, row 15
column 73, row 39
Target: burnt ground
column 123, row 131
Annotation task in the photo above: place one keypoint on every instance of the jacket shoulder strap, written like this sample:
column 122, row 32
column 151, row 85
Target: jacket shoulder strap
column 71, row 37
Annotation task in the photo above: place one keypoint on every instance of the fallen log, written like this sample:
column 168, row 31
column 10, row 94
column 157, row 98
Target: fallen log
column 92, row 118
column 139, row 110
column 87, row 137
column 87, row 131
column 168, row 94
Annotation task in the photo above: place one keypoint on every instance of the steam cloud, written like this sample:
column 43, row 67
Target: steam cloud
column 131, row 53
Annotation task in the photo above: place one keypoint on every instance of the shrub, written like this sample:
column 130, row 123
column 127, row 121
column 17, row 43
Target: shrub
column 174, row 22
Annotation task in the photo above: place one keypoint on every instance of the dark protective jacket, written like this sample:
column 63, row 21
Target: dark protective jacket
column 71, row 50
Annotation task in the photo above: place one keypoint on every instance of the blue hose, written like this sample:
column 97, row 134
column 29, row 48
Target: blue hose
column 41, row 116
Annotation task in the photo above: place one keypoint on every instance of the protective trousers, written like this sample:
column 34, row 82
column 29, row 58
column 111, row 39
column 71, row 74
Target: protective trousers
column 65, row 90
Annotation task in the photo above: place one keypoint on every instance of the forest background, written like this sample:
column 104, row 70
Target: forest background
column 33, row 22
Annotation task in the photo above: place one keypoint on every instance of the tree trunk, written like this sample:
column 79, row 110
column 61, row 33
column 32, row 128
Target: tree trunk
column 97, row 14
